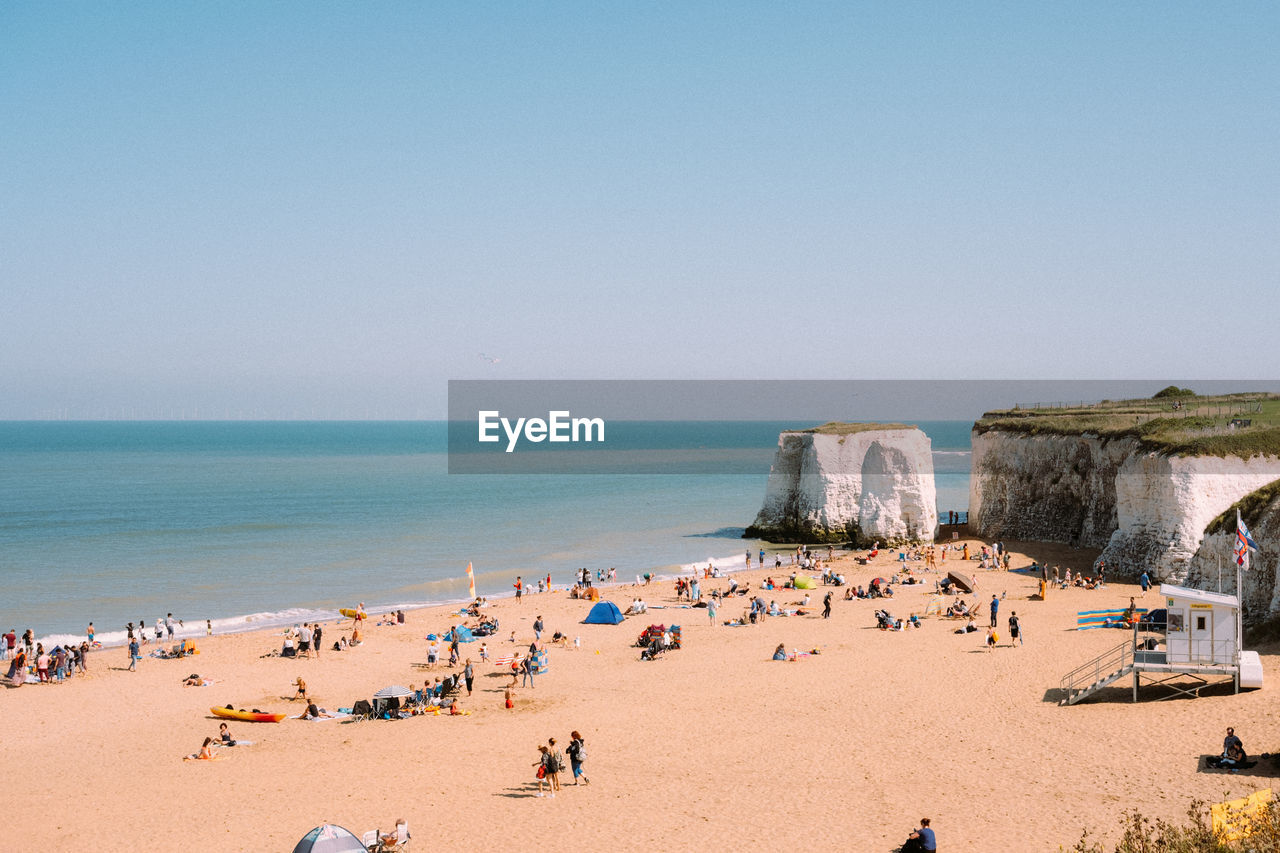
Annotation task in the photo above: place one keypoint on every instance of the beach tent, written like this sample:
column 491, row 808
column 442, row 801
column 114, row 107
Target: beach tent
column 464, row 635
column 329, row 839
column 539, row 662
column 604, row 613
column 805, row 582
column 961, row 580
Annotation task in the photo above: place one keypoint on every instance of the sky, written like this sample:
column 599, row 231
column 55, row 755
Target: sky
column 329, row 210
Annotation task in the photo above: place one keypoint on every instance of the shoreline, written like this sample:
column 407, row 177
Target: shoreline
column 283, row 619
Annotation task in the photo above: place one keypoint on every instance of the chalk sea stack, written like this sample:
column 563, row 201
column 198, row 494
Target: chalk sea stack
column 849, row 482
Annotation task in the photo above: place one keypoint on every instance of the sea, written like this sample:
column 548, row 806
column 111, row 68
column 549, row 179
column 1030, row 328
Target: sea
column 252, row 525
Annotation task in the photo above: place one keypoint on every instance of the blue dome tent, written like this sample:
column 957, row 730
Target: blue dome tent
column 604, row 613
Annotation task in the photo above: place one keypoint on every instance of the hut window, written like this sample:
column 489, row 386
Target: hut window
column 1199, row 623
column 1175, row 621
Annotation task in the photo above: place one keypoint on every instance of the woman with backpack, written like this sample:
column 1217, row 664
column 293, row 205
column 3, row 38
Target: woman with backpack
column 577, row 755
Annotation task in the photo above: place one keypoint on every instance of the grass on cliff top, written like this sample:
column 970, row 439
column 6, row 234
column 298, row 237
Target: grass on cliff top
column 838, row 428
column 1198, row 426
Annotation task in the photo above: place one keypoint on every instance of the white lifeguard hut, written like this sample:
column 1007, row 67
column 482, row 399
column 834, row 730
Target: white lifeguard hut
column 1200, row 638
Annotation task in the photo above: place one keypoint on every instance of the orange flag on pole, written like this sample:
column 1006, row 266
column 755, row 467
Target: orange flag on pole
column 471, row 580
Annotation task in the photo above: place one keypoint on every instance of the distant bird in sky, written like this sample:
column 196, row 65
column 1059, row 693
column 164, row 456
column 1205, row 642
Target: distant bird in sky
column 490, row 358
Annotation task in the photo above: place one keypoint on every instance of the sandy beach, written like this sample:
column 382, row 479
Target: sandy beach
column 713, row 744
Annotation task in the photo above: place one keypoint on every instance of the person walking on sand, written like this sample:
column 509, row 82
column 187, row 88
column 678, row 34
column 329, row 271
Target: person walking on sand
column 1145, row 581
column 577, row 756
column 1015, row 629
column 555, row 765
column 992, row 638
column 526, row 669
column 537, row 628
column 519, row 585
column 544, row 770
column 302, row 689
column 133, row 655
column 711, row 611
column 826, row 606
column 995, row 610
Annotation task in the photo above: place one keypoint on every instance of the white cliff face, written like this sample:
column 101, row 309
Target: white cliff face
column 1145, row 510
column 1164, row 503
column 820, row 483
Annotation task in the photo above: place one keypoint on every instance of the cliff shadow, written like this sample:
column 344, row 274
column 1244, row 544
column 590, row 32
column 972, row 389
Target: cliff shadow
column 1054, row 554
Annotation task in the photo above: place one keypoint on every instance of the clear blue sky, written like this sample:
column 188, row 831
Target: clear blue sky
column 330, row 209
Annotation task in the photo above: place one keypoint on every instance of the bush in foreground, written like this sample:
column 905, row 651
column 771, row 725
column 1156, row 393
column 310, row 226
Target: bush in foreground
column 1195, row 835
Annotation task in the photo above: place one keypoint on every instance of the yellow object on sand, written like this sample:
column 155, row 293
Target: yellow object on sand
column 1233, row 820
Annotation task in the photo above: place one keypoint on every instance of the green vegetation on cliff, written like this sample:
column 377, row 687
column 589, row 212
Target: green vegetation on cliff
column 1243, row 425
column 838, row 428
column 1250, row 506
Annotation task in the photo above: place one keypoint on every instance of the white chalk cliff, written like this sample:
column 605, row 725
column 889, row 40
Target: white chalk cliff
column 1145, row 509
column 872, row 483
column 1213, row 565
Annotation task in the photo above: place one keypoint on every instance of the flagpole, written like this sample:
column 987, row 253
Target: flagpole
column 1240, row 564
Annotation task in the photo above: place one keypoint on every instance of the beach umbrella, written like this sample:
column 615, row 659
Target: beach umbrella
column 392, row 692
column 328, row 838
column 877, row 581
column 962, row 580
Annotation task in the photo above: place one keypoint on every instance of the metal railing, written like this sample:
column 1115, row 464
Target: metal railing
column 1106, row 665
column 1178, row 650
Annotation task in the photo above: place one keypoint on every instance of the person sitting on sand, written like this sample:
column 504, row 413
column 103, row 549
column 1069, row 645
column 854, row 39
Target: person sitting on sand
column 780, row 653
column 193, row 680
column 314, row 713
column 1233, row 754
column 969, row 627
column 205, row 753
column 301, row 692
column 921, row 840
column 224, row 735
